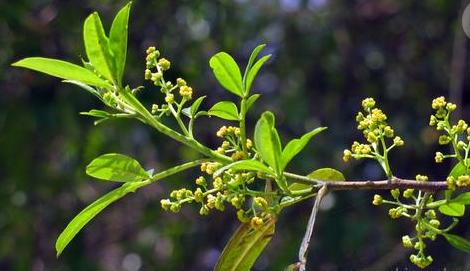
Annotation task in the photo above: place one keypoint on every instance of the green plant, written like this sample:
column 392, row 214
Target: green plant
column 246, row 173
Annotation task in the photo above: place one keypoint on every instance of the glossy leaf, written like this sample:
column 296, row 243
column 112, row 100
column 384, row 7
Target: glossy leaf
column 267, row 140
column 458, row 242
column 227, row 72
column 97, row 47
column 251, row 61
column 463, row 198
column 251, row 100
column 245, row 246
column 116, row 167
column 452, row 209
column 118, row 40
column 90, row 212
column 224, row 110
column 62, row 69
column 324, row 174
column 252, row 165
column 296, row 145
column 458, row 170
column 195, row 106
column 254, row 72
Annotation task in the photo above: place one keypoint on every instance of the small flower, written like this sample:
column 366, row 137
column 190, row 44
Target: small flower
column 435, row 223
column 388, row 131
column 463, row 180
column 180, row 82
column 169, row 98
column 347, row 154
column 377, row 200
column 186, row 92
column 218, row 183
column 450, row 183
column 421, row 178
column 430, row 214
column 175, row 207
column 432, row 120
column 156, row 76
column 395, row 193
column 198, row 195
column 204, row 210
column 439, row 157
column 451, row 107
column 444, row 139
column 256, row 222
column 439, row 103
column 406, row 241
column 222, row 132
column 368, row 103
column 166, row 204
column 147, row 74
column 398, row 141
column 408, row 193
column 238, row 155
column 154, row 108
column 164, row 63
column 261, row 202
column 249, row 143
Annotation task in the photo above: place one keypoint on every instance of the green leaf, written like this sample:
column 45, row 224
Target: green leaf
column 458, row 242
column 458, row 170
column 254, row 71
column 224, row 110
column 463, row 198
column 452, row 209
column 227, row 72
column 195, row 106
column 96, row 113
column 97, row 47
column 296, row 145
column 267, row 140
column 118, row 40
column 245, row 246
column 253, row 56
column 251, row 100
column 90, row 212
column 252, row 165
column 116, row 167
column 324, row 174
column 62, row 69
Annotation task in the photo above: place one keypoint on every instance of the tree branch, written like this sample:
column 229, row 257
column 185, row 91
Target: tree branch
column 393, row 183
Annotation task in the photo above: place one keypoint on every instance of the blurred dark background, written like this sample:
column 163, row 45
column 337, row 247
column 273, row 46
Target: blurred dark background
column 328, row 56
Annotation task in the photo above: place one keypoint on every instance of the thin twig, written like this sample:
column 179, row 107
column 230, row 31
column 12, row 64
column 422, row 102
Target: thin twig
column 308, row 234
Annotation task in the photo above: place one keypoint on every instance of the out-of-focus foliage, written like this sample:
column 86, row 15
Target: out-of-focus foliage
column 327, row 56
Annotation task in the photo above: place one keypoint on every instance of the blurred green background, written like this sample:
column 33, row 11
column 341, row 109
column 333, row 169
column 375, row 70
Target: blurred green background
column 327, row 56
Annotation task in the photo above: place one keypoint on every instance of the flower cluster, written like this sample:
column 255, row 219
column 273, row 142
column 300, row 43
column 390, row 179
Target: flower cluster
column 410, row 204
column 373, row 124
column 457, row 135
column 154, row 72
column 232, row 144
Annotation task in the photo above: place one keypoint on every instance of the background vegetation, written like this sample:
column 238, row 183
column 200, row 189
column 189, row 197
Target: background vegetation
column 327, row 56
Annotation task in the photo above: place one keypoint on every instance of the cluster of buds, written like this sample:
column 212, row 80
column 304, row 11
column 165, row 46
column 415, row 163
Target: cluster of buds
column 155, row 68
column 454, row 134
column 408, row 203
column 232, row 143
column 461, row 181
column 373, row 124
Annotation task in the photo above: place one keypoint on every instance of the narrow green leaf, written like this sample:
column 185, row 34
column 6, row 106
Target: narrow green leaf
column 458, row 242
column 116, row 167
column 452, row 209
column 227, row 72
column 97, row 47
column 90, row 212
column 252, row 165
column 254, row 71
column 96, row 113
column 245, row 246
column 118, row 40
column 224, row 110
column 195, row 106
column 253, row 56
column 62, row 69
column 251, row 100
column 463, row 198
column 267, row 140
column 324, row 174
column 296, row 145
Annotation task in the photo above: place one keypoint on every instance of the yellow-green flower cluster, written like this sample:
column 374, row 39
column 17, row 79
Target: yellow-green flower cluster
column 373, row 124
column 155, row 72
column 453, row 133
column 232, row 143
